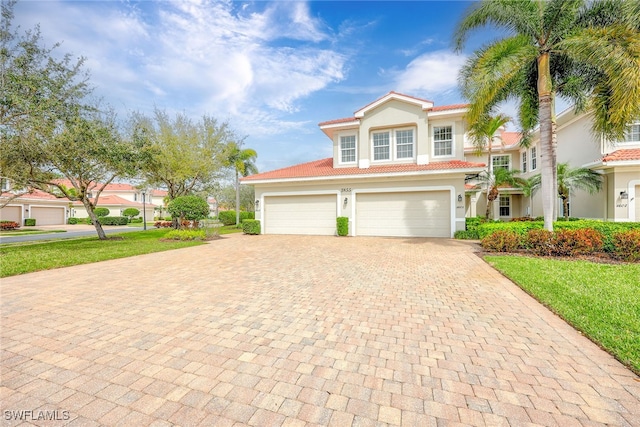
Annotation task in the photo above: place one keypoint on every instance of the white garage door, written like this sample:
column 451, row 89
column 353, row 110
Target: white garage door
column 410, row 214
column 11, row 213
column 313, row 214
column 47, row 216
column 637, row 203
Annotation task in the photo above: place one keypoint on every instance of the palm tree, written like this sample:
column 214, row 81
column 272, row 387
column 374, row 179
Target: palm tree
column 499, row 177
column 584, row 50
column 530, row 187
column 482, row 133
column 242, row 161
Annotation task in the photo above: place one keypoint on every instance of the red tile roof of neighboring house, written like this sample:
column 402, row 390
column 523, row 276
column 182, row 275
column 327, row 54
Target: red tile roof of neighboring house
column 159, row 193
column 324, row 168
column 471, row 186
column 113, row 200
column 449, row 107
column 622, row 155
column 34, row 194
column 510, row 138
column 109, row 187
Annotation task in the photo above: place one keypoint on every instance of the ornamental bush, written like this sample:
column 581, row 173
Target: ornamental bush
column 8, row 225
column 185, row 235
column 626, row 245
column 583, row 241
column 191, row 208
column 72, row 221
column 100, row 212
column 229, row 217
column 342, row 225
column 466, row 235
column 251, row 226
column 501, row 241
column 29, row 222
column 131, row 212
column 163, row 224
column 539, row 242
column 114, row 220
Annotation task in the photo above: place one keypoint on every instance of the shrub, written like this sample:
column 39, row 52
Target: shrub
column 72, row 221
column 522, row 218
column 539, row 242
column 87, row 221
column 135, row 220
column 626, row 245
column 191, row 208
column 100, row 212
column 114, row 220
column 229, row 217
column 30, row 222
column 251, row 226
column 501, row 241
column 342, row 225
column 163, row 224
column 466, row 235
column 582, row 241
column 185, row 235
column 8, row 225
column 131, row 212
column 520, row 227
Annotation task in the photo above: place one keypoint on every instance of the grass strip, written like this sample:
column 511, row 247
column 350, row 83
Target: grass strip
column 600, row 300
column 36, row 256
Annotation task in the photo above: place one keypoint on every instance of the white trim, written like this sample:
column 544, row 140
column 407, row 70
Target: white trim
column 453, row 141
column 296, row 193
column 631, row 205
column 451, row 112
column 450, row 188
column 363, row 164
column 493, row 156
column 346, row 134
column 393, row 144
column 422, row 159
column 364, row 176
column 342, row 124
column 424, row 104
column 510, row 206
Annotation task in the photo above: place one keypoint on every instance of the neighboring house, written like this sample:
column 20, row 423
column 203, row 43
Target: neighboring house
column 398, row 169
column 618, row 161
column 45, row 208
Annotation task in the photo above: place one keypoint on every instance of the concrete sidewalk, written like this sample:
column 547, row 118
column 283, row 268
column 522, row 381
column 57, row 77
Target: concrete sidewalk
column 293, row 331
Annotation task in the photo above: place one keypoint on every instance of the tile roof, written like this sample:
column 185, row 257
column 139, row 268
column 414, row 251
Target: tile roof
column 35, row 194
column 338, row 121
column 622, row 155
column 510, row 138
column 449, row 107
column 324, row 168
column 113, row 200
column 109, row 187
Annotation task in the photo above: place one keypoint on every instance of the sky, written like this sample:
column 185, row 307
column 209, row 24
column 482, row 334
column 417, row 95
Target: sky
column 272, row 69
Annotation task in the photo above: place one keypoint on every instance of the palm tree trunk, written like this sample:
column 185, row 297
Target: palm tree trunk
column 490, row 174
column 548, row 186
column 565, row 208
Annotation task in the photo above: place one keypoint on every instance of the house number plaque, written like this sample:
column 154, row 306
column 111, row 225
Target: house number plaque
column 345, row 190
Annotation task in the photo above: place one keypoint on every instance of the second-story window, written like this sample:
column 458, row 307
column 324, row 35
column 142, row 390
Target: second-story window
column 404, row 144
column 524, row 161
column 381, row 146
column 534, row 158
column 633, row 133
column 501, row 161
column 348, row 149
column 442, row 141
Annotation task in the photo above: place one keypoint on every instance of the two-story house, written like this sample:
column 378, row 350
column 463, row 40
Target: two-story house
column 398, row 169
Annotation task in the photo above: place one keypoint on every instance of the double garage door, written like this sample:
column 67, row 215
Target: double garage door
column 394, row 214
column 47, row 215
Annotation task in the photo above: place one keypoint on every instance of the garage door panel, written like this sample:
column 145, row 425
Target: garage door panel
column 11, row 213
column 404, row 214
column 47, row 216
column 309, row 214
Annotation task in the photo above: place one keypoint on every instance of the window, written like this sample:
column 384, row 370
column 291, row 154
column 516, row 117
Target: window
column 404, row 144
column 503, row 162
column 633, row 133
column 442, row 141
column 534, row 158
column 381, row 146
column 4, row 184
column 524, row 161
column 505, row 205
column 348, row 149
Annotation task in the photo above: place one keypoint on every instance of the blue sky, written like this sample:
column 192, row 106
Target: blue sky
column 274, row 70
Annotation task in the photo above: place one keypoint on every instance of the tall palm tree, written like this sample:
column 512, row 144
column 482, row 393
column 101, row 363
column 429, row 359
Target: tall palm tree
column 242, row 161
column 530, row 187
column 584, row 50
column 495, row 179
column 482, row 134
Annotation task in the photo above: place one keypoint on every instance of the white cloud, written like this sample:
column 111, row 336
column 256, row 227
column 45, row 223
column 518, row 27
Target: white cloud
column 431, row 73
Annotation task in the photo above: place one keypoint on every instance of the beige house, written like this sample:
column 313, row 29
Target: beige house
column 402, row 166
column 618, row 161
column 398, row 169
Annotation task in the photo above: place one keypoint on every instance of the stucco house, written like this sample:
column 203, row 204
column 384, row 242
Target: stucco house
column 398, row 169
column 402, row 166
column 618, row 161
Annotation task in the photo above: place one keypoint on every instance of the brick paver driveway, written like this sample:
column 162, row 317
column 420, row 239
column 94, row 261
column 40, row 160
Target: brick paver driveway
column 293, row 330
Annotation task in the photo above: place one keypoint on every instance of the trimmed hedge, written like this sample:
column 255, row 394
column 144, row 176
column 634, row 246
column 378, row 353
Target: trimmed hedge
column 72, row 221
column 30, row 222
column 229, row 217
column 101, row 212
column 8, row 225
column 626, row 245
column 342, row 225
column 251, row 226
column 185, row 235
column 114, row 220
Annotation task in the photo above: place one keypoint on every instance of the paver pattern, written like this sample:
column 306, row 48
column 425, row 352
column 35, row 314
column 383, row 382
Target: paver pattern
column 297, row 330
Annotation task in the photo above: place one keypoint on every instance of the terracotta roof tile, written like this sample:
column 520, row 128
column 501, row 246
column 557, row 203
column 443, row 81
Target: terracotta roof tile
column 35, row 194
column 510, row 138
column 449, row 107
column 338, row 121
column 114, row 200
column 622, row 155
column 324, row 168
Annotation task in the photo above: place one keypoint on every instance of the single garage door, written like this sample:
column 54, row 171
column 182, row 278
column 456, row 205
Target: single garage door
column 313, row 214
column 47, row 216
column 410, row 214
column 11, row 213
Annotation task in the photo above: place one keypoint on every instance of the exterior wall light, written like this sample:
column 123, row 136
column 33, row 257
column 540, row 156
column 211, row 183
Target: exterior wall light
column 257, row 205
column 459, row 197
column 345, row 201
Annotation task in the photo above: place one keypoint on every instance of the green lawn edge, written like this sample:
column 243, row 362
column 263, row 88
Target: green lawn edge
column 602, row 301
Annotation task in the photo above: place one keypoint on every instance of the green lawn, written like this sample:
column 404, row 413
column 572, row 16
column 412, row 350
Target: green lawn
column 34, row 256
column 600, row 300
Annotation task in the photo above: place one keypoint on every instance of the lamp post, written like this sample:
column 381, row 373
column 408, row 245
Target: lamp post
column 144, row 212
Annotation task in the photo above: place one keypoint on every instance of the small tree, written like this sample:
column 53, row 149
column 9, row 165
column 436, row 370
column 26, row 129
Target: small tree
column 131, row 212
column 493, row 181
column 190, row 208
column 101, row 212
